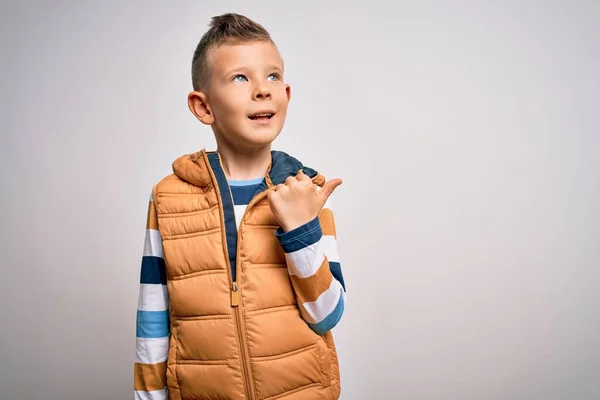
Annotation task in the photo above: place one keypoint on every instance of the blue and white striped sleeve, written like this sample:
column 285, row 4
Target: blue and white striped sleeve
column 152, row 329
column 315, row 270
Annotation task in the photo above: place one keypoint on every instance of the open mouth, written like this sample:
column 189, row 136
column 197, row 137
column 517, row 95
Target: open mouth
column 261, row 116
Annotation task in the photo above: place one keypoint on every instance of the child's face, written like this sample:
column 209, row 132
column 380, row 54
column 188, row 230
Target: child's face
column 247, row 79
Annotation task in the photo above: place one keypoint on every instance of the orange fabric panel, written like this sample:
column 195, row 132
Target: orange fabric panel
column 151, row 220
column 150, row 376
column 310, row 288
column 327, row 222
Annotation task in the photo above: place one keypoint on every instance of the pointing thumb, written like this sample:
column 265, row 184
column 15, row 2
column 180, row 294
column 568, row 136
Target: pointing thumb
column 329, row 187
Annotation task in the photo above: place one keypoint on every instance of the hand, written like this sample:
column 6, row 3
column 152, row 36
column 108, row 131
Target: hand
column 297, row 201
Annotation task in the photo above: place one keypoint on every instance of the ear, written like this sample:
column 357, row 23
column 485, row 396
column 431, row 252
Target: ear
column 288, row 92
column 200, row 107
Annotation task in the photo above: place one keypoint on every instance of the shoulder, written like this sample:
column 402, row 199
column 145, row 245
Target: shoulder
column 173, row 185
column 284, row 165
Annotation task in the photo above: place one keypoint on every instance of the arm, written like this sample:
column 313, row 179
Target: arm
column 314, row 267
column 152, row 330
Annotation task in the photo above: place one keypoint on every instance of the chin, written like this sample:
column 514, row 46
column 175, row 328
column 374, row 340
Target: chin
column 261, row 141
column 262, row 137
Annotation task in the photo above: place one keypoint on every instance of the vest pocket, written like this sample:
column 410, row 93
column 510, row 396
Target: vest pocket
column 172, row 381
column 276, row 376
column 325, row 360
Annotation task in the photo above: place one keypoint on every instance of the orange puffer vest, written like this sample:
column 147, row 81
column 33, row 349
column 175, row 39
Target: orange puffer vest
column 242, row 339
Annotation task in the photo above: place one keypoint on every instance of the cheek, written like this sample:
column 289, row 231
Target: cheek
column 228, row 108
column 282, row 101
column 282, row 110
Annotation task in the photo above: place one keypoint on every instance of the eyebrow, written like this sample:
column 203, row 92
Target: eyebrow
column 241, row 68
column 276, row 67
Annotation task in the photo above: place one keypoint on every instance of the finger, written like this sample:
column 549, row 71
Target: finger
column 273, row 193
column 291, row 181
column 282, row 189
column 328, row 189
column 302, row 176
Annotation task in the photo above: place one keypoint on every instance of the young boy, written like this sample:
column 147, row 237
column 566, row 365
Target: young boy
column 240, row 282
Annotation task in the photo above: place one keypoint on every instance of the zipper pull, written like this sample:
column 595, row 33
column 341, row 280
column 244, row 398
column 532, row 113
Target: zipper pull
column 235, row 295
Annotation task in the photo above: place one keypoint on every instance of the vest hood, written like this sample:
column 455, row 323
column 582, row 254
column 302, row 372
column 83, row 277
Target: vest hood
column 194, row 168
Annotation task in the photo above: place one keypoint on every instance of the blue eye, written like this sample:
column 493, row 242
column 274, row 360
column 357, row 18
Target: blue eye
column 276, row 76
column 235, row 78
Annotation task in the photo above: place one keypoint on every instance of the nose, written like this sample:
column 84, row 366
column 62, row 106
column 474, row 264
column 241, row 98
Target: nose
column 261, row 92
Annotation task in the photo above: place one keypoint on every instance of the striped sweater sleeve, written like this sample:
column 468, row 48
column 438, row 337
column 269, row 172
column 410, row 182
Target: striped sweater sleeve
column 152, row 328
column 315, row 271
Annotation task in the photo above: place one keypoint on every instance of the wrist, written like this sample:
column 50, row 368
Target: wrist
column 288, row 226
column 299, row 237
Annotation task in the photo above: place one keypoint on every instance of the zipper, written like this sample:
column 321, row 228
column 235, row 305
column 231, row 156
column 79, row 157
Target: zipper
column 233, row 285
column 235, row 289
column 235, row 293
column 235, row 302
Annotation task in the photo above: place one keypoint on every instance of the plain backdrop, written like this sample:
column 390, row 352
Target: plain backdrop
column 467, row 135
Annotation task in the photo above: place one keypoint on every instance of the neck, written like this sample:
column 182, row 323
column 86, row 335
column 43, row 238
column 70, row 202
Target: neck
column 241, row 165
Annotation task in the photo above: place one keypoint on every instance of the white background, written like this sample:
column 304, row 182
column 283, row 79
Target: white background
column 467, row 135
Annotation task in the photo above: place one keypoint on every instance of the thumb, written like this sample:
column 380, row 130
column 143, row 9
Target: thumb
column 328, row 188
column 271, row 196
